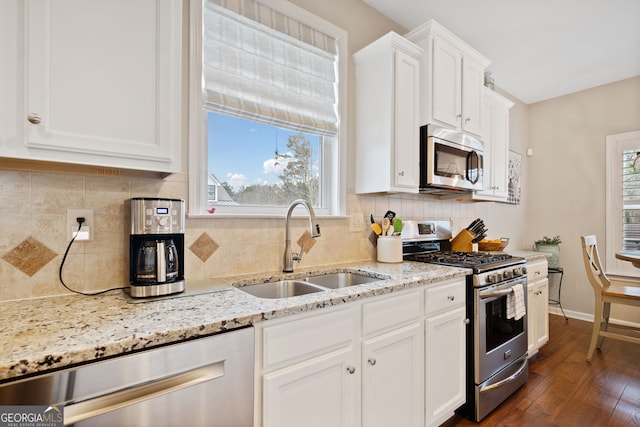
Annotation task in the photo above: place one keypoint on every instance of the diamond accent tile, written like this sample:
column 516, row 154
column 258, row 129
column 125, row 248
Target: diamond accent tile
column 204, row 247
column 29, row 256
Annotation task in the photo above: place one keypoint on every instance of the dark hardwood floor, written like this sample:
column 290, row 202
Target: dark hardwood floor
column 565, row 390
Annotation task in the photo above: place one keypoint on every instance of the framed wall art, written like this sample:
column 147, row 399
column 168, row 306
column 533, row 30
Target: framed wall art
column 515, row 174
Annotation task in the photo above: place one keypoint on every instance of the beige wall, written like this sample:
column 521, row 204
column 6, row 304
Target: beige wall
column 566, row 175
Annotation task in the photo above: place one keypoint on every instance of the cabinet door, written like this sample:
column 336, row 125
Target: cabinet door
column 499, row 150
column 532, row 305
column 8, row 72
column 445, row 364
column 406, row 125
column 537, row 314
column 103, row 78
column 447, row 78
column 542, row 313
column 472, row 95
column 393, row 378
column 320, row 392
column 495, row 135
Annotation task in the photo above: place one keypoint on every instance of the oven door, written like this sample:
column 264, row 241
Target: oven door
column 499, row 341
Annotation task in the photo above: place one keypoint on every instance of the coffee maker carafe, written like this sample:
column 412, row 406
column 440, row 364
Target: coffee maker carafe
column 156, row 246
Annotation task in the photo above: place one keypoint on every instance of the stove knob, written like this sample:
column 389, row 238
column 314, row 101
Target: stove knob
column 508, row 274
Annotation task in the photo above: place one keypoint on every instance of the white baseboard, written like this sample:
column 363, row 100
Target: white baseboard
column 587, row 317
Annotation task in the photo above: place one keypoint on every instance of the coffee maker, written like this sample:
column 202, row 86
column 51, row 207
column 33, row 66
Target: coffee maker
column 156, row 246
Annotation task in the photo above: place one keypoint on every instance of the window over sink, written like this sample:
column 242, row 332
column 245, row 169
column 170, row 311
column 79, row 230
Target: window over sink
column 268, row 97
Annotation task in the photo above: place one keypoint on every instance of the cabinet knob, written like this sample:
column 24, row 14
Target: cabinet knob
column 401, row 173
column 372, row 361
column 467, row 120
column 351, row 369
column 459, row 116
column 34, row 118
column 466, row 321
column 451, row 297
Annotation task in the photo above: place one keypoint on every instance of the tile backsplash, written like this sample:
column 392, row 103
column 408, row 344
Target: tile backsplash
column 33, row 220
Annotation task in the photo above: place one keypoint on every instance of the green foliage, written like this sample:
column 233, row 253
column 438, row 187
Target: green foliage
column 555, row 240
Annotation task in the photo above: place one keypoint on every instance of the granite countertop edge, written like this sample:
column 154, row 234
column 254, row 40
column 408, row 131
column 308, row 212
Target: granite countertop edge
column 54, row 333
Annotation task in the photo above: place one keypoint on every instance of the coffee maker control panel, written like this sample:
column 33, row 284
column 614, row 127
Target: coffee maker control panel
column 157, row 216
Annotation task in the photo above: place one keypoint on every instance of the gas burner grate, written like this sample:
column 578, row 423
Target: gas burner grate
column 462, row 259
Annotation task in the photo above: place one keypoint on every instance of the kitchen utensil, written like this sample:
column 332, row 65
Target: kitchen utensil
column 397, row 225
column 391, row 215
column 373, row 221
column 376, row 228
column 386, row 224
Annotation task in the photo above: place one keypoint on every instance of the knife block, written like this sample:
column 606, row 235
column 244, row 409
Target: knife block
column 462, row 242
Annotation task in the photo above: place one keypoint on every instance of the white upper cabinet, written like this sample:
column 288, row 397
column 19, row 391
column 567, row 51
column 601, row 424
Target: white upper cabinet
column 387, row 153
column 451, row 79
column 495, row 135
column 102, row 84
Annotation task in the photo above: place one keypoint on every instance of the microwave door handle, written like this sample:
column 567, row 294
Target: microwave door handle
column 470, row 163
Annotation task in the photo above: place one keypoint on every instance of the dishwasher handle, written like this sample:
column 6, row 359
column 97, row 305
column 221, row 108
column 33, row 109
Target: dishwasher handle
column 76, row 411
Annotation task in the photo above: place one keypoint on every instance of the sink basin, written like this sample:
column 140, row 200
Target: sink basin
column 340, row 280
column 281, row 289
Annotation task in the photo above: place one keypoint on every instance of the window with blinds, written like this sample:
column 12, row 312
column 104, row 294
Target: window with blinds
column 631, row 199
column 622, row 207
column 270, row 99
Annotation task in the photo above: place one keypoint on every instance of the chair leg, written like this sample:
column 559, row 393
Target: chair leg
column 605, row 322
column 597, row 324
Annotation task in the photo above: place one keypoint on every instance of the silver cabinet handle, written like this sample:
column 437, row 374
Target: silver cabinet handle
column 451, row 297
column 34, row 118
column 401, row 173
column 458, row 116
column 372, row 361
column 351, row 369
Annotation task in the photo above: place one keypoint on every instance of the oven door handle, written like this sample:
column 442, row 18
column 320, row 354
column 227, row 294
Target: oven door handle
column 506, row 380
column 499, row 293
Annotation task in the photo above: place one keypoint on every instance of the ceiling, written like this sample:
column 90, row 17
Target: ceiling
column 538, row 49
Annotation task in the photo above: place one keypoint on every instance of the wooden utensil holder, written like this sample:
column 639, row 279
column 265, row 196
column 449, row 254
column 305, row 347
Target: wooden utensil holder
column 462, row 242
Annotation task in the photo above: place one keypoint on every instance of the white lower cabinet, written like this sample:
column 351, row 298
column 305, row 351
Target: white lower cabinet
column 537, row 306
column 445, row 362
column 318, row 392
column 363, row 363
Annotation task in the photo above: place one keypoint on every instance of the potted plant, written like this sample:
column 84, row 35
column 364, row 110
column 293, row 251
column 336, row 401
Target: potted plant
column 550, row 245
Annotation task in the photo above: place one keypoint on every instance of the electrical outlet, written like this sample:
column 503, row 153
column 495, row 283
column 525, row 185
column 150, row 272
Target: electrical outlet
column 356, row 223
column 86, row 232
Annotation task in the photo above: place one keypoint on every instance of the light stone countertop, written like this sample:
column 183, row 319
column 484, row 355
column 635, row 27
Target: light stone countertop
column 40, row 335
column 530, row 256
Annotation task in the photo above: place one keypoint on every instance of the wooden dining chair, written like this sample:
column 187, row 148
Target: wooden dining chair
column 606, row 292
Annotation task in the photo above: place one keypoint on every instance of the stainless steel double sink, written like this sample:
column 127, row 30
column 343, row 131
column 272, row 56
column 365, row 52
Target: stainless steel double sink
column 307, row 285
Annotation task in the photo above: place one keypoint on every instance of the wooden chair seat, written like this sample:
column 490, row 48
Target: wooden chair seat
column 606, row 292
column 621, row 289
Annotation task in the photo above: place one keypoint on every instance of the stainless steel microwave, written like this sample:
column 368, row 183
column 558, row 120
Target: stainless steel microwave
column 450, row 161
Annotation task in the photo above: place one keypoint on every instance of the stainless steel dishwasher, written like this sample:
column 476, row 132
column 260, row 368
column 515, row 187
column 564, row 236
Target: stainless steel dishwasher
column 203, row 382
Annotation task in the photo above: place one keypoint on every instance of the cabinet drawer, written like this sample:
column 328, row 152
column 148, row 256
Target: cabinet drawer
column 391, row 312
column 536, row 270
column 307, row 337
column 445, row 297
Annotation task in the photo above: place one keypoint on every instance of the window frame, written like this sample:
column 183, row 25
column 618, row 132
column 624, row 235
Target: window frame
column 615, row 145
column 334, row 160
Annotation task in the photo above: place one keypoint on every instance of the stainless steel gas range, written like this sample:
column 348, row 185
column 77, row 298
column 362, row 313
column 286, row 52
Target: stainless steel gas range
column 497, row 336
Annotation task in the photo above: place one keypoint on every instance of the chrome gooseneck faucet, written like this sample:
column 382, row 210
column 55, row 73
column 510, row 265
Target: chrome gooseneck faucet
column 314, row 230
